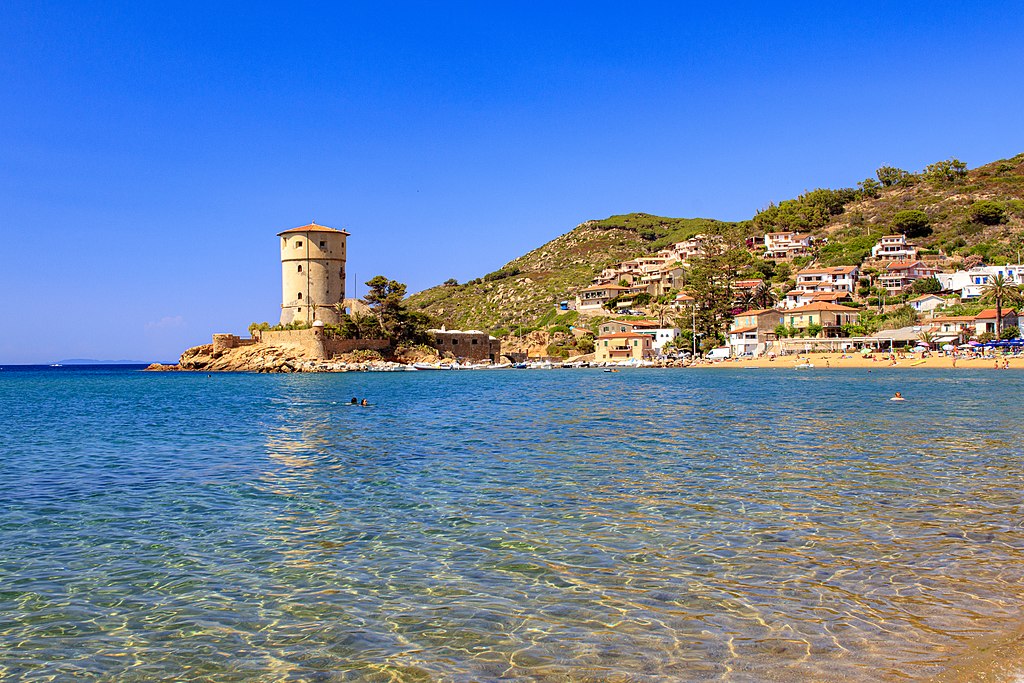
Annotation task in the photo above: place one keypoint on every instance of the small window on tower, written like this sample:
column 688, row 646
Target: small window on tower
column 300, row 267
column 298, row 243
column 323, row 244
column 299, row 297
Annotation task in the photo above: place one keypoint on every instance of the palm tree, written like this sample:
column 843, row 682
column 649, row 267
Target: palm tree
column 999, row 290
column 661, row 311
column 763, row 295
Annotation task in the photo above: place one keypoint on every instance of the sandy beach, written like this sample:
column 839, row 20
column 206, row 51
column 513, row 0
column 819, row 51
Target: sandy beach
column 836, row 360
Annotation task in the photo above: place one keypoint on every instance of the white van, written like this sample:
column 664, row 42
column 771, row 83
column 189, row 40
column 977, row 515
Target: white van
column 721, row 353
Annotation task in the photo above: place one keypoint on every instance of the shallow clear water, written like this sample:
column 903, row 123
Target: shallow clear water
column 736, row 525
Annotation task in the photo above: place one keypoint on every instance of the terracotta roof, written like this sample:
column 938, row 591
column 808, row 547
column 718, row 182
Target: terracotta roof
column 594, row 288
column 759, row 311
column 898, row 265
column 741, row 330
column 632, row 323
column 954, row 318
column 625, row 335
column 991, row 313
column 684, row 297
column 822, row 306
column 835, row 270
column 313, row 227
column 829, row 296
column 747, row 284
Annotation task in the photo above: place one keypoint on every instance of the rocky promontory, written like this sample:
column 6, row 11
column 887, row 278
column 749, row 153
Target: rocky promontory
column 274, row 358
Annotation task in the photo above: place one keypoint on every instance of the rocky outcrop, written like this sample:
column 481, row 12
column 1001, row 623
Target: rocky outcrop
column 284, row 358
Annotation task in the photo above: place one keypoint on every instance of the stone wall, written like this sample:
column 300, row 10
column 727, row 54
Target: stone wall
column 309, row 340
column 334, row 347
column 467, row 345
column 312, row 342
column 223, row 342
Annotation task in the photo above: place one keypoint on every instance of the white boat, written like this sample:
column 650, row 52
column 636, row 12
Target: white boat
column 804, row 366
column 429, row 366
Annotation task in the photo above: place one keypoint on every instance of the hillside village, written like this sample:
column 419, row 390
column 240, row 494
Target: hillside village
column 824, row 302
column 906, row 259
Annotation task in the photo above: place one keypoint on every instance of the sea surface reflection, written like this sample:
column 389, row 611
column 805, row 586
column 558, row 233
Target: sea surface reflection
column 567, row 525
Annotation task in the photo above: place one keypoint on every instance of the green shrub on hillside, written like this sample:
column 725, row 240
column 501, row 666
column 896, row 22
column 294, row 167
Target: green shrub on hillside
column 987, row 212
column 949, row 171
column 912, row 223
column 847, row 252
column 890, row 176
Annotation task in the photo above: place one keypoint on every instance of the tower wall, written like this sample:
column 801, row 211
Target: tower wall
column 312, row 274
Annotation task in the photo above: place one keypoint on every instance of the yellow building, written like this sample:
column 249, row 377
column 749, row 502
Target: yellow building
column 623, row 346
column 831, row 318
column 312, row 273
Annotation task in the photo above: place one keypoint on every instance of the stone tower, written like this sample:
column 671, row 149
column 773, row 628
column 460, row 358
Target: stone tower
column 312, row 273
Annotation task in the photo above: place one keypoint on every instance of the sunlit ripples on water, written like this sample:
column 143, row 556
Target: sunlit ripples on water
column 563, row 525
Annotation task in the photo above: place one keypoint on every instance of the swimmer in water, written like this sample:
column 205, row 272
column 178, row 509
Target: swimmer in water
column 897, row 397
column 365, row 403
column 354, row 401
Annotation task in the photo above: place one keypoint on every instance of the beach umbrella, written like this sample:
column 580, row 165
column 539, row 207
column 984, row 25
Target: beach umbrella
column 974, row 343
column 948, row 347
column 923, row 345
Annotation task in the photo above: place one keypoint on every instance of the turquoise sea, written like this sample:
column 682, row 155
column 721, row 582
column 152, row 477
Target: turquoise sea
column 563, row 525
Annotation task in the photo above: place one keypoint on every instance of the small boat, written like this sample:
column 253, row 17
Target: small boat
column 804, row 366
column 428, row 366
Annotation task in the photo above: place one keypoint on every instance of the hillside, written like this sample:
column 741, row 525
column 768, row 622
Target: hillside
column 952, row 230
column 947, row 209
column 526, row 289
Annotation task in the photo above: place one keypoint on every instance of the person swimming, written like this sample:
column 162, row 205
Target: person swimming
column 354, row 401
column 898, row 397
column 364, row 403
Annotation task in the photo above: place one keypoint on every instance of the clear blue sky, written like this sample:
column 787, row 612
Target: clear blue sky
column 149, row 152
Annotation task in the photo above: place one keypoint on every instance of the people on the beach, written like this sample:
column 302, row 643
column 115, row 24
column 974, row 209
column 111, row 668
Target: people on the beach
column 897, row 397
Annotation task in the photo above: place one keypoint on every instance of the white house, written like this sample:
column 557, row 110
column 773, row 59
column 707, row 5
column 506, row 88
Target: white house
column 926, row 302
column 835, row 279
column 894, row 248
column 986, row 320
column 784, row 245
column 662, row 336
column 969, row 284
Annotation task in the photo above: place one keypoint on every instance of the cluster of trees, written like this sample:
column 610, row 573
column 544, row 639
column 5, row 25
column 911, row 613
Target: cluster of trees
column 810, row 210
column 389, row 318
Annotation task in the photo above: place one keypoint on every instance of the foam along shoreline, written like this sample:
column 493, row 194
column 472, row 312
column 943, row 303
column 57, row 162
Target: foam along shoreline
column 836, row 360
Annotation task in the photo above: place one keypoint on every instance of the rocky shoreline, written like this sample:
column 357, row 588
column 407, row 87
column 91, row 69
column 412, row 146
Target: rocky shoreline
column 286, row 359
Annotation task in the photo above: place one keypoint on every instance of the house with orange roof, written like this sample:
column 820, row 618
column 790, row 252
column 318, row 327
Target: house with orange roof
column 831, row 317
column 985, row 322
column 894, row 248
column 799, row 297
column 832, row 279
column 953, row 328
column 899, row 276
column 751, row 331
column 785, row 245
column 620, row 346
column 593, row 298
